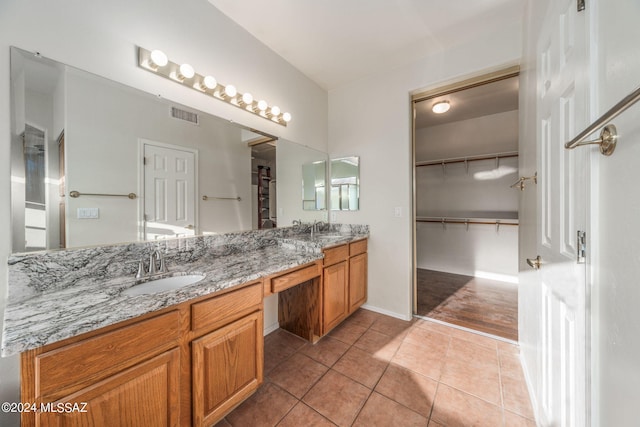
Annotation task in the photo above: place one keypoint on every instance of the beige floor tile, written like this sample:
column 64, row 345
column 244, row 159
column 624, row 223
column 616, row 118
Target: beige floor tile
column 337, row 398
column 364, row 317
column 516, row 397
column 473, row 369
column 425, row 360
column 475, row 338
column 392, row 326
column 515, row 420
column 435, row 424
column 455, row 408
column 408, row 388
column 425, row 337
column 265, row 408
column 433, row 326
column 278, row 347
column 348, row 332
column 302, row 415
column 508, row 348
column 361, row 366
column 298, row 375
column 380, row 345
column 326, row 351
column 381, row 411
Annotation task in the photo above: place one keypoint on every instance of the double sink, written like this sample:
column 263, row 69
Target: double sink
column 177, row 280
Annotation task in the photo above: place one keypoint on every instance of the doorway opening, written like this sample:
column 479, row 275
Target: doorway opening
column 466, row 206
column 263, row 180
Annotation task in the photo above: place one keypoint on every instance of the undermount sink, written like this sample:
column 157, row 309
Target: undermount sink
column 165, row 284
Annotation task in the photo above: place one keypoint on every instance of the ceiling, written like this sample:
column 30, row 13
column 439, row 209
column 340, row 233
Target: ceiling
column 484, row 100
column 335, row 42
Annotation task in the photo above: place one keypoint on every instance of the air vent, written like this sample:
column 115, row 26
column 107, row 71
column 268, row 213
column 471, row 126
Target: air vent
column 187, row 116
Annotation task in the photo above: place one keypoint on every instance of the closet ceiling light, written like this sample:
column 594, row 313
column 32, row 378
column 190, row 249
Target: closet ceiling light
column 441, row 107
column 157, row 62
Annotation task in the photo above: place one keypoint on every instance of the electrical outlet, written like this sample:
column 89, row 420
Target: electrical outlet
column 334, row 216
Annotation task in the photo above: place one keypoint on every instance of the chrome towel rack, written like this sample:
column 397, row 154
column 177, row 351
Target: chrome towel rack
column 609, row 135
column 205, row 198
column 76, row 194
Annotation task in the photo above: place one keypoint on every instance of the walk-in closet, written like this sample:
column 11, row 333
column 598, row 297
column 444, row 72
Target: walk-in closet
column 466, row 204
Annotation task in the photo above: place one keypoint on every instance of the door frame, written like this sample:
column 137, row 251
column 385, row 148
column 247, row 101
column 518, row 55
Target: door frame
column 141, row 143
column 479, row 78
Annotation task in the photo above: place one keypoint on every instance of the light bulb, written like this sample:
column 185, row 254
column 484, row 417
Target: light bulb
column 441, row 107
column 247, row 98
column 275, row 110
column 209, row 82
column 230, row 91
column 157, row 58
column 186, row 72
column 262, row 105
column 286, row 117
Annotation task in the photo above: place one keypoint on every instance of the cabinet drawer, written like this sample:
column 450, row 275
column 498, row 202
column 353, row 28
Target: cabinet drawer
column 359, row 247
column 334, row 255
column 103, row 355
column 225, row 308
column 294, row 278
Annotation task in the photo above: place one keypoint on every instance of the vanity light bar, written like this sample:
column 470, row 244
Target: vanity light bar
column 157, row 62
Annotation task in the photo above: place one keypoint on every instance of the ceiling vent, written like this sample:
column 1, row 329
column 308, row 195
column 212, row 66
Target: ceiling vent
column 187, row 116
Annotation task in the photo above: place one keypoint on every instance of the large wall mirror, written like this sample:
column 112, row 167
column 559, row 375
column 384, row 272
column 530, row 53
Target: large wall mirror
column 96, row 162
column 345, row 184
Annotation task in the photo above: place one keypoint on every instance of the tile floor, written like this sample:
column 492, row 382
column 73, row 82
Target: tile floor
column 375, row 370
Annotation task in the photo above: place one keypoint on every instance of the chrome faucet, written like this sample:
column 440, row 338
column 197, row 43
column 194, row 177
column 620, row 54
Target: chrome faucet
column 315, row 227
column 157, row 266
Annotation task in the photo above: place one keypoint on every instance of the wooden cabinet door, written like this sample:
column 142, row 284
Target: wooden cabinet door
column 227, row 367
column 146, row 394
column 335, row 295
column 357, row 281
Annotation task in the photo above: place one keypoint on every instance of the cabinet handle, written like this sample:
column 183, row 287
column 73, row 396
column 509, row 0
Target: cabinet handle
column 535, row 263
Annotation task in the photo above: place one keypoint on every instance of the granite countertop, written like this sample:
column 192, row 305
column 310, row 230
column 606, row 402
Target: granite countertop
column 94, row 302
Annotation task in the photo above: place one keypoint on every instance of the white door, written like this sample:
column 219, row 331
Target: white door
column 562, row 205
column 616, row 289
column 169, row 191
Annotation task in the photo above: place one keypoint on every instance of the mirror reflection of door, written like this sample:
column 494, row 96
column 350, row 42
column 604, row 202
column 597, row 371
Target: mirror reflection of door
column 169, row 191
column 35, row 212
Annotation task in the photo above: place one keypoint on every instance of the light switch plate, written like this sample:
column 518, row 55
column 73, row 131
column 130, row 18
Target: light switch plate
column 398, row 212
column 334, row 216
column 88, row 213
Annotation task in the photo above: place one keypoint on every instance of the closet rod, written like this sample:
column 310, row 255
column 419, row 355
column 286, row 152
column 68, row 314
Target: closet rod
column 463, row 221
column 467, row 159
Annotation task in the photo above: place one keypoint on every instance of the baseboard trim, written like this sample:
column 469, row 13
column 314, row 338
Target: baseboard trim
column 386, row 312
column 271, row 328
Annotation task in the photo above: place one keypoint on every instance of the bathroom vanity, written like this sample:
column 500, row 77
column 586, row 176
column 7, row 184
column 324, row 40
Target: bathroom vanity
column 182, row 357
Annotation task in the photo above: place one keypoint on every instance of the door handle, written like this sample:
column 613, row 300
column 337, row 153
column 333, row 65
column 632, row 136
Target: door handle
column 189, row 227
column 535, row 263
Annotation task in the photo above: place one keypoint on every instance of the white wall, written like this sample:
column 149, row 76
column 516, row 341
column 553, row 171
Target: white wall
column 614, row 217
column 102, row 38
column 371, row 118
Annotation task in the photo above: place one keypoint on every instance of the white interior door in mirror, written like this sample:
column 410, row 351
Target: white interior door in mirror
column 169, row 191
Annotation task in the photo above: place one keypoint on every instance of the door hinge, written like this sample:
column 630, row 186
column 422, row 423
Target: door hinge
column 144, row 161
column 146, row 217
column 581, row 246
column 581, row 5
